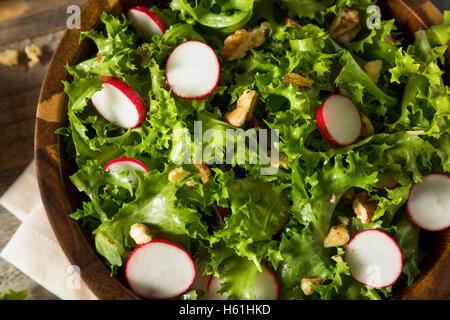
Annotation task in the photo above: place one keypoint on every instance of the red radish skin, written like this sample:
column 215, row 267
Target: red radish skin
column 124, row 164
column 389, row 38
column 114, row 89
column 223, row 212
column 153, row 242
column 125, row 159
column 146, row 22
column 214, row 285
column 188, row 88
column 411, row 207
column 395, row 247
column 292, row 22
column 353, row 115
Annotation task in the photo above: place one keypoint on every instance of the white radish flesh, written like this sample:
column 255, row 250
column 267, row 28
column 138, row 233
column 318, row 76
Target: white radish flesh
column 339, row 120
column 193, row 70
column 126, row 164
column 146, row 22
column 160, row 269
column 429, row 202
column 374, row 258
column 118, row 103
column 266, row 285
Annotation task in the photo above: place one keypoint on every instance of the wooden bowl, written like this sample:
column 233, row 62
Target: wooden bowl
column 61, row 198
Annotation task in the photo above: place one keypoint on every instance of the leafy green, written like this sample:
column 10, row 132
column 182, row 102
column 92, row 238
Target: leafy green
column 14, row 295
column 279, row 220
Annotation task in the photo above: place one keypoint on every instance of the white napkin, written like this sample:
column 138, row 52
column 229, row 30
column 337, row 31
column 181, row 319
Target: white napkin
column 34, row 249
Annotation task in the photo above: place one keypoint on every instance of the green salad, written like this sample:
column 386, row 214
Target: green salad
column 284, row 67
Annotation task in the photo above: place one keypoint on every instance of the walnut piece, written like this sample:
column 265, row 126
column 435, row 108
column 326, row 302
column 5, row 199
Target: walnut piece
column 364, row 210
column 338, row 236
column 204, row 170
column 373, row 69
column 282, row 161
column 237, row 44
column 140, row 233
column 298, row 80
column 244, row 109
column 306, row 285
column 178, row 174
column 331, row 198
column 33, row 53
column 337, row 258
column 345, row 26
column 367, row 129
column 9, row 58
column 344, row 220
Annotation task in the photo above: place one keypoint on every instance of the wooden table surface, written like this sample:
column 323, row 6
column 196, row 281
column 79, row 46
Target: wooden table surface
column 23, row 22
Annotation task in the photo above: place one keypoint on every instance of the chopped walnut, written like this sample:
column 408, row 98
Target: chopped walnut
column 364, row 210
column 306, row 285
column 282, row 161
column 338, row 236
column 373, row 69
column 204, row 170
column 367, row 129
column 337, row 258
column 345, row 26
column 237, row 44
column 344, row 220
column 178, row 174
column 9, row 58
column 416, row 133
column 298, row 80
column 331, row 199
column 100, row 58
column 244, row 109
column 191, row 183
column 33, row 53
column 140, row 233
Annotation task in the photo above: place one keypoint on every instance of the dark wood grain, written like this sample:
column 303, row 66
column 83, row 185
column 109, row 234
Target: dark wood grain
column 60, row 197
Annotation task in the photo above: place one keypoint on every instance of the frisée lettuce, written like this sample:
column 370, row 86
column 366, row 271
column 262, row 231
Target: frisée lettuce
column 280, row 220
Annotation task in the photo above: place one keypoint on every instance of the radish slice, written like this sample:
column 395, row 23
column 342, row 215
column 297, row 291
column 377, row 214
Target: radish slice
column 126, row 164
column 212, row 288
column 160, row 269
column 339, row 120
column 290, row 21
column 265, row 286
column 386, row 181
column 343, row 92
column 147, row 23
column 374, row 258
column 193, row 70
column 118, row 103
column 389, row 38
column 428, row 203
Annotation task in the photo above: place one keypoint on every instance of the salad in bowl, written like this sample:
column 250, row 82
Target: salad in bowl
column 260, row 149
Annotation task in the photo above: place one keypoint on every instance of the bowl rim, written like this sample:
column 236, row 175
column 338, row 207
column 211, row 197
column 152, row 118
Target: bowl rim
column 51, row 163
